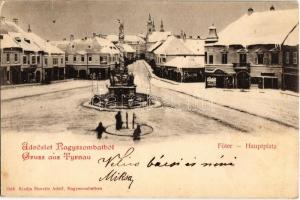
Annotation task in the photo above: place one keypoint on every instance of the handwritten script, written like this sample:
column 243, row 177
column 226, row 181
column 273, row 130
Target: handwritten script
column 118, row 162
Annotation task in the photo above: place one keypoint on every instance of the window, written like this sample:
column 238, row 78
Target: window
column 7, row 57
column 103, row 59
column 46, row 61
column 16, row 57
column 295, row 58
column 33, row 60
column 267, row 59
column 275, row 58
column 67, row 58
column 287, row 57
column 38, row 60
column 205, row 55
column 211, row 59
column 74, row 58
column 61, row 61
column 260, row 58
column 90, row 58
column 82, row 58
column 224, row 58
column 55, row 61
column 164, row 59
column 243, row 58
column 24, row 60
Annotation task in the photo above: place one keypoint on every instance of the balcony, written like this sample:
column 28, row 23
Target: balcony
column 241, row 66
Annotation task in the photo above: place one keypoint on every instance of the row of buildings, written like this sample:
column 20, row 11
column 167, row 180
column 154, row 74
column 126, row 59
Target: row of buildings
column 260, row 49
column 25, row 57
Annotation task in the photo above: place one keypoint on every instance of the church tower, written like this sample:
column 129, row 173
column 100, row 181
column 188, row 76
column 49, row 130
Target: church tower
column 149, row 25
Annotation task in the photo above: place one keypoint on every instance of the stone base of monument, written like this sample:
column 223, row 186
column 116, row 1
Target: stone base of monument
column 128, row 132
column 122, row 101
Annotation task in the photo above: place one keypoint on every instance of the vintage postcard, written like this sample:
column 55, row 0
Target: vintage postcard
column 170, row 99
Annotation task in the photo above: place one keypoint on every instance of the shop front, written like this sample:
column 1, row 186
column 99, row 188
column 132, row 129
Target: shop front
column 219, row 78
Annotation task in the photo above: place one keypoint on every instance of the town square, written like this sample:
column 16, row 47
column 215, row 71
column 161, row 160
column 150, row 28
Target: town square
column 210, row 84
column 130, row 98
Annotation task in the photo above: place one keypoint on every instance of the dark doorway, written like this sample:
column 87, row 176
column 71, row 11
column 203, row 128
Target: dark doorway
column 243, row 80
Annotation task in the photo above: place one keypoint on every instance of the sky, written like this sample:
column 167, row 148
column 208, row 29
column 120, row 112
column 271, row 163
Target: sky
column 83, row 17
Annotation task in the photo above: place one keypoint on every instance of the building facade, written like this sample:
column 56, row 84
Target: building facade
column 27, row 58
column 89, row 58
column 254, row 57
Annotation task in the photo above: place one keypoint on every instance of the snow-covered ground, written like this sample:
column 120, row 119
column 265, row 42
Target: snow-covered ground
column 273, row 104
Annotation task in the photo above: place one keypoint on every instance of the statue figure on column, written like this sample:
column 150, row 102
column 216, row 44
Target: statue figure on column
column 121, row 31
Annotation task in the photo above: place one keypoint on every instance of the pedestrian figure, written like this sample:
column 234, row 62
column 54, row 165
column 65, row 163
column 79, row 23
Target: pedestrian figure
column 119, row 122
column 137, row 133
column 100, row 129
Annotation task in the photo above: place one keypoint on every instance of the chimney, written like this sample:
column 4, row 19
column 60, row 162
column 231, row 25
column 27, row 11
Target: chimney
column 212, row 35
column 71, row 37
column 250, row 11
column 29, row 29
column 16, row 21
column 272, row 8
column 94, row 35
column 181, row 34
column 198, row 37
column 2, row 19
column 184, row 36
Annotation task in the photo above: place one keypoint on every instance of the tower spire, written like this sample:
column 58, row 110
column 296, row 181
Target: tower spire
column 162, row 26
column 153, row 25
column 29, row 29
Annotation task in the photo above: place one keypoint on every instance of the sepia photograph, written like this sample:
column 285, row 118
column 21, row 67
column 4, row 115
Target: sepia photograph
column 169, row 99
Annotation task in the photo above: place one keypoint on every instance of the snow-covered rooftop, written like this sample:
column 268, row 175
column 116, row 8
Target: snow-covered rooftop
column 195, row 45
column 173, row 46
column 90, row 45
column 128, row 49
column 158, row 36
column 186, row 62
column 24, row 42
column 15, row 36
column 154, row 46
column 9, row 42
column 269, row 27
column 44, row 45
